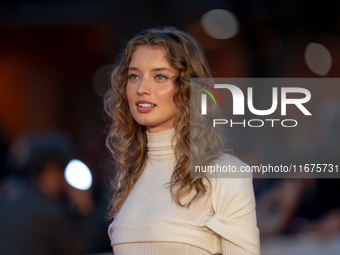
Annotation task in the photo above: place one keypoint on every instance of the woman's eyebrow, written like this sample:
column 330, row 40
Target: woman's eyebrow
column 132, row 68
column 161, row 69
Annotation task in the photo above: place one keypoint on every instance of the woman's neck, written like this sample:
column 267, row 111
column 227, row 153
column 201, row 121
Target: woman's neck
column 161, row 145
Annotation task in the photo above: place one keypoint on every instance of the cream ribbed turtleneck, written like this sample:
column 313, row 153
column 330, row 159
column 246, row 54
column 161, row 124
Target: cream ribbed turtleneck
column 161, row 145
column 150, row 222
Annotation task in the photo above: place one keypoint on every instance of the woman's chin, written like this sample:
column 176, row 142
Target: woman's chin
column 147, row 124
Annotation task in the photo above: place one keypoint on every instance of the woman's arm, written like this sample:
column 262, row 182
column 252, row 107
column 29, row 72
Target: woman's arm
column 235, row 217
column 229, row 247
column 234, row 220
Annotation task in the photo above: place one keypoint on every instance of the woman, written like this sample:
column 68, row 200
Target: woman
column 157, row 208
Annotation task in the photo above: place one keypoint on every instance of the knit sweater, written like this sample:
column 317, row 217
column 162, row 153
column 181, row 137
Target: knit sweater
column 221, row 222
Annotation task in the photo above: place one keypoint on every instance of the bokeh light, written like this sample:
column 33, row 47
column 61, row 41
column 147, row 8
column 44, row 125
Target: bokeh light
column 318, row 58
column 220, row 24
column 78, row 175
column 100, row 79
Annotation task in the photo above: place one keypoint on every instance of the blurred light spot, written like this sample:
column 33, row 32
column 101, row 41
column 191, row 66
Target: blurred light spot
column 318, row 58
column 100, row 80
column 220, row 24
column 78, row 175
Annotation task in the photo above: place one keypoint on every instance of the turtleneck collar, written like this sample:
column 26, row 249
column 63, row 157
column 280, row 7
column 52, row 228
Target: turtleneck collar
column 159, row 144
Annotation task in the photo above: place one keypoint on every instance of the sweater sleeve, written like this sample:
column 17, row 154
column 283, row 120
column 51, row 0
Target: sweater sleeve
column 228, row 247
column 235, row 217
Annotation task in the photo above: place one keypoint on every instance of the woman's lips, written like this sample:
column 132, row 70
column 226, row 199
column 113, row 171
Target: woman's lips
column 145, row 109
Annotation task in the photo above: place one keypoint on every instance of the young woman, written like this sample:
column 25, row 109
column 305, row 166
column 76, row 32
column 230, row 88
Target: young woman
column 157, row 207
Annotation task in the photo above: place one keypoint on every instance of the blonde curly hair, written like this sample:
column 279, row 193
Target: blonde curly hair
column 126, row 139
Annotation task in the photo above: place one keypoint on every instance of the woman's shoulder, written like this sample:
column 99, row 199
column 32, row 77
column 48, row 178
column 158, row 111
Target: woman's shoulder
column 229, row 167
column 227, row 158
column 232, row 191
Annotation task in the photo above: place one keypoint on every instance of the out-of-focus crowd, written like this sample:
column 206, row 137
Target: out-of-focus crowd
column 40, row 213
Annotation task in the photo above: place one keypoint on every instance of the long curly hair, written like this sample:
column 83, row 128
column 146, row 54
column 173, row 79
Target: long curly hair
column 126, row 139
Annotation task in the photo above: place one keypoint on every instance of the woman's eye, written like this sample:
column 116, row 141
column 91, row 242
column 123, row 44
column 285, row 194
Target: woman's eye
column 161, row 77
column 133, row 77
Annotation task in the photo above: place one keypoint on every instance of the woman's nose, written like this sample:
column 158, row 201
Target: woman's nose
column 144, row 87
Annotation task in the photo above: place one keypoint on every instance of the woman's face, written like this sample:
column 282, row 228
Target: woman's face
column 150, row 89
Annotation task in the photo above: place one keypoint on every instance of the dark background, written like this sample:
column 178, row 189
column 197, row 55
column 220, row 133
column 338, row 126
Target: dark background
column 55, row 57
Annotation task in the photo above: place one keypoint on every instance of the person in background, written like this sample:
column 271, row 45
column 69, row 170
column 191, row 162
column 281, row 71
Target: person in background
column 33, row 217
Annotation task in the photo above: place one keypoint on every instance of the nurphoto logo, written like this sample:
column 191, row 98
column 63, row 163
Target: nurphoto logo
column 238, row 99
